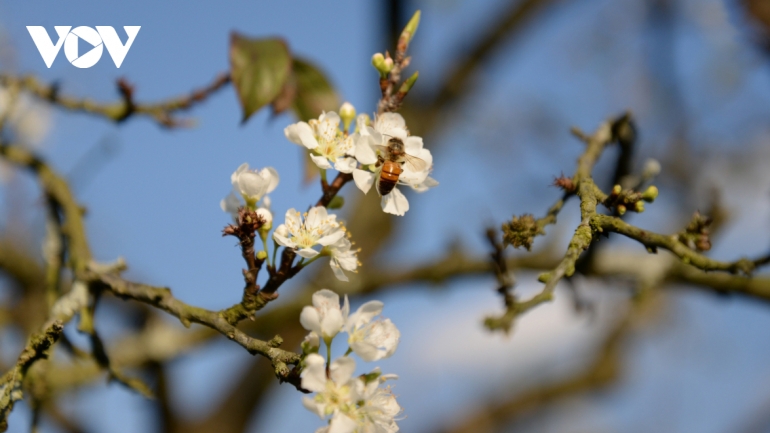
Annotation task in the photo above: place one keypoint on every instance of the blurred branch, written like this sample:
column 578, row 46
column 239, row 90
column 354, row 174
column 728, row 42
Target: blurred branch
column 592, row 224
column 161, row 297
column 10, row 384
column 59, row 194
column 161, row 112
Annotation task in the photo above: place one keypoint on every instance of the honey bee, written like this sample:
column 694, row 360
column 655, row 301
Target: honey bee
column 392, row 158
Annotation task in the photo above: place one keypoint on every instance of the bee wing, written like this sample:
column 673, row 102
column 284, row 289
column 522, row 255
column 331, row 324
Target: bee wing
column 383, row 149
column 414, row 163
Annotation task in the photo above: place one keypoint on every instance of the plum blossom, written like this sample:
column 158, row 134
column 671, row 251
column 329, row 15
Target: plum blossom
column 369, row 152
column 250, row 186
column 356, row 405
column 371, row 339
column 378, row 408
column 325, row 317
column 343, row 257
column 317, row 228
column 333, row 394
column 328, row 143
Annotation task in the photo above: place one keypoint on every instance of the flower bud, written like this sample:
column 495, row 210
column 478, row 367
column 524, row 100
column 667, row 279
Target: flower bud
column 311, row 343
column 407, row 85
column 650, row 194
column 544, row 277
column 621, row 209
column 262, row 255
column 267, row 216
column 382, row 65
column 347, row 114
column 639, row 206
column 411, row 27
column 616, row 190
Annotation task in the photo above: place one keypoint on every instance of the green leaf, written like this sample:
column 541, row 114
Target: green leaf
column 336, row 203
column 314, row 93
column 259, row 69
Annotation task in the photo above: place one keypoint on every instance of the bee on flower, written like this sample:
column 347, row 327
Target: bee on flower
column 389, row 156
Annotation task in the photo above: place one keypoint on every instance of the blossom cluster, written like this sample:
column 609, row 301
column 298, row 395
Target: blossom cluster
column 300, row 232
column 353, row 404
column 380, row 153
column 364, row 151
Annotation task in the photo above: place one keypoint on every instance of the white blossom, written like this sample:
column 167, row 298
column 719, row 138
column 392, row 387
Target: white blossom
column 371, row 339
column 378, row 409
column 327, row 142
column 368, row 138
column 333, row 394
column 251, row 186
column 343, row 257
column 356, row 405
column 317, row 228
column 325, row 317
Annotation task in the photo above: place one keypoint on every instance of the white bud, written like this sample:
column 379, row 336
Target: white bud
column 347, row 114
column 267, row 216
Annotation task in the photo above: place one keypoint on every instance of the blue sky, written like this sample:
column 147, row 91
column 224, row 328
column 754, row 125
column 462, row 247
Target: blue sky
column 155, row 201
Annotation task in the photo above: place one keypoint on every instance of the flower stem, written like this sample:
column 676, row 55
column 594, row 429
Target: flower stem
column 263, row 235
column 275, row 250
column 328, row 353
column 324, row 182
column 304, row 263
column 350, row 350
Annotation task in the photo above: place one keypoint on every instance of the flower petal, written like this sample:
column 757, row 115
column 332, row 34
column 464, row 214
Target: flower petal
column 313, row 406
column 364, row 180
column 345, row 308
column 321, row 161
column 342, row 370
column 315, row 216
column 395, row 203
column 364, row 152
column 341, row 423
column 230, row 204
column 365, row 350
column 310, row 319
column 272, row 177
column 365, row 314
column 413, row 145
column 345, row 165
column 301, row 133
column 331, row 238
column 326, row 299
column 283, row 241
column 307, row 253
column 251, row 185
column 337, row 270
column 241, row 168
column 386, row 336
column 314, row 373
column 391, row 124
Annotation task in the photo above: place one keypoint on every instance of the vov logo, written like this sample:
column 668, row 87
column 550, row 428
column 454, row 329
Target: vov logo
column 103, row 36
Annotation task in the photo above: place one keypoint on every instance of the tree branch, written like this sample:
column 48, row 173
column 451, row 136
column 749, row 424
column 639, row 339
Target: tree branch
column 119, row 111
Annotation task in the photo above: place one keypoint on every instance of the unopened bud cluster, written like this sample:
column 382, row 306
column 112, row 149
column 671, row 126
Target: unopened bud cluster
column 628, row 200
column 696, row 235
